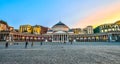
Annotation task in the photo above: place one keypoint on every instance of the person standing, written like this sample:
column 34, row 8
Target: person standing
column 26, row 44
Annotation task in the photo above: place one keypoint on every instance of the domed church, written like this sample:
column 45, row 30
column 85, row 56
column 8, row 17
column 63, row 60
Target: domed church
column 59, row 32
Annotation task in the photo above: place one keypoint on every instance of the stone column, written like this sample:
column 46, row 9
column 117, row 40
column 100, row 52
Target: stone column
column 52, row 38
column 66, row 38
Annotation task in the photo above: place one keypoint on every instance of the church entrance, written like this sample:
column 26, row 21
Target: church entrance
column 60, row 38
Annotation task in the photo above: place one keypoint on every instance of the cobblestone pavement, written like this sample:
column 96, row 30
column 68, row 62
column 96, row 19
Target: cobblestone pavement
column 60, row 54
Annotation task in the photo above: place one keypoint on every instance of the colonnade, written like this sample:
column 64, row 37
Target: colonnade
column 63, row 37
column 59, row 38
column 92, row 38
column 3, row 37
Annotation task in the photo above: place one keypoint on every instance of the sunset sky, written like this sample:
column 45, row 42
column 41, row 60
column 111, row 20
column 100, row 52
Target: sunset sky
column 74, row 13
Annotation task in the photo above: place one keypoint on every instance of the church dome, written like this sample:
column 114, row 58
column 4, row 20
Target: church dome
column 60, row 27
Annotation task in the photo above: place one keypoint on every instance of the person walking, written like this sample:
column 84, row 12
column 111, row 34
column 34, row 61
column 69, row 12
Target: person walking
column 32, row 44
column 64, row 42
column 26, row 44
column 40, row 43
column 71, row 41
column 6, row 45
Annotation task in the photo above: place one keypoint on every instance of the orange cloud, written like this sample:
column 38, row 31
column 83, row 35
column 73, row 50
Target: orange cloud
column 108, row 14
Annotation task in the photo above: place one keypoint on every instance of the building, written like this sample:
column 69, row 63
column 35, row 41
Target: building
column 43, row 30
column 60, row 32
column 113, row 27
column 25, row 28
column 88, row 30
column 60, row 27
column 36, row 29
column 10, row 28
column 77, row 30
column 3, row 25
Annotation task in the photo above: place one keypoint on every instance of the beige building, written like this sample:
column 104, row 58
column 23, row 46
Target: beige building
column 88, row 30
column 77, row 30
column 11, row 28
column 3, row 26
column 112, row 27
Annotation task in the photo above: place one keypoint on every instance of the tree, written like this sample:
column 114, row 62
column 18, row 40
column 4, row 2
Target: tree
column 97, row 30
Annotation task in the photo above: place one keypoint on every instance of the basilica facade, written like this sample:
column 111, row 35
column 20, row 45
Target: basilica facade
column 59, row 32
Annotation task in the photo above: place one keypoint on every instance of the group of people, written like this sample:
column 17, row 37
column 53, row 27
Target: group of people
column 31, row 44
column 26, row 44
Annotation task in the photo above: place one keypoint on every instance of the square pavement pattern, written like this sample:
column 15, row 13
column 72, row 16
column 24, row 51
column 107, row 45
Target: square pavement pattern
column 60, row 54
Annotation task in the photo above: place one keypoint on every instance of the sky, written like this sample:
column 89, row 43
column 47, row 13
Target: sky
column 74, row 13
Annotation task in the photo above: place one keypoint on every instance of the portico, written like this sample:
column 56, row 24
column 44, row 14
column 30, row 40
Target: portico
column 60, row 36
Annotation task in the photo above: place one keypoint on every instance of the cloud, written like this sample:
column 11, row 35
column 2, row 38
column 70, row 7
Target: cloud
column 106, row 14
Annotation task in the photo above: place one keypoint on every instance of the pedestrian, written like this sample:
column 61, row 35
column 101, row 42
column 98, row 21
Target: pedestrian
column 71, row 42
column 40, row 43
column 32, row 44
column 64, row 42
column 26, row 44
column 6, row 45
